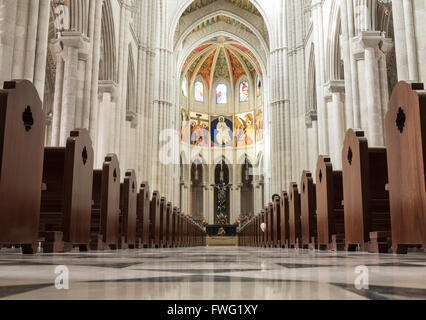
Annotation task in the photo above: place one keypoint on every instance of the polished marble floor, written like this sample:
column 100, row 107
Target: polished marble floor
column 214, row 273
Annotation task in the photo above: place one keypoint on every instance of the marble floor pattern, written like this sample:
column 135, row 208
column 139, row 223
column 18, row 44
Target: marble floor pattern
column 212, row 273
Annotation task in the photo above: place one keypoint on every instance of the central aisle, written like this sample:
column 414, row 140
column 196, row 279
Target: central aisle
column 217, row 273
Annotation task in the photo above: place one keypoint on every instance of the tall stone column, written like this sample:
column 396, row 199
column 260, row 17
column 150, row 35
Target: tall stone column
column 73, row 48
column 400, row 40
column 370, row 49
column 108, row 95
column 336, row 120
column 90, row 119
column 411, row 40
column 7, row 38
column 57, row 101
column 317, row 18
column 41, row 47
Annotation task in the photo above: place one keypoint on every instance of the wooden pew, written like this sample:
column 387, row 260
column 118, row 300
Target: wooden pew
column 22, row 125
column 128, row 211
column 163, row 222
column 169, row 224
column 330, row 213
column 366, row 200
column 406, row 156
column 277, row 222
column 284, row 220
column 174, row 227
column 144, row 205
column 154, row 227
column 308, row 211
column 106, row 205
column 270, row 224
column 264, row 233
column 67, row 194
column 295, row 217
column 178, row 229
column 258, row 230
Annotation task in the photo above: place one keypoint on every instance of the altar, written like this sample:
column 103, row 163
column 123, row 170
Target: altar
column 214, row 230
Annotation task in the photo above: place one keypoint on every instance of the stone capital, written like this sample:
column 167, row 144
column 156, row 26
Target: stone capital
column 71, row 39
column 108, row 86
column 335, row 86
column 366, row 40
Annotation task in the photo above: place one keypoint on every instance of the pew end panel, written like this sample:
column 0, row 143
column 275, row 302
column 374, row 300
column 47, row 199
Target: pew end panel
column 143, row 220
column 330, row 213
column 295, row 217
column 405, row 127
column 155, row 220
column 163, row 222
column 365, row 178
column 285, row 219
column 110, row 201
column 308, row 210
column 277, row 222
column 128, row 208
column 169, row 224
column 67, row 195
column 22, row 129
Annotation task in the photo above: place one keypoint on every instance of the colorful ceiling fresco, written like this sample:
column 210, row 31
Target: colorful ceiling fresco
column 194, row 53
column 197, row 4
column 232, row 57
column 205, row 69
column 221, row 69
column 225, row 19
column 237, row 68
column 243, row 4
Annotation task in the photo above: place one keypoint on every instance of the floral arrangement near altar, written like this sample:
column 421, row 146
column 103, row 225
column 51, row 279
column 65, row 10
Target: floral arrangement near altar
column 221, row 232
column 222, row 219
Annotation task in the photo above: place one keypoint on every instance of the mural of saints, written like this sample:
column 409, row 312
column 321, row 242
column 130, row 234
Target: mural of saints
column 259, row 124
column 244, row 130
column 184, row 126
column 199, row 130
column 221, row 134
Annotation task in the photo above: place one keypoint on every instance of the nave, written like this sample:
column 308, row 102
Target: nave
column 212, row 273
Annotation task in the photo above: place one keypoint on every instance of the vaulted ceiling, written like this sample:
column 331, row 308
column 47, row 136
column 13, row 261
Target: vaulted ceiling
column 221, row 58
column 230, row 37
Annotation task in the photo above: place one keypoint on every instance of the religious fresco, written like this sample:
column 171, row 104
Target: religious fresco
column 184, row 126
column 221, row 68
column 221, row 131
column 237, row 68
column 205, row 69
column 222, row 18
column 199, row 129
column 244, row 129
column 258, row 115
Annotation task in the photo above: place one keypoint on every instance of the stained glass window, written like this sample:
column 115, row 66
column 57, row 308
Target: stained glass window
column 221, row 94
column 199, row 91
column 259, row 86
column 244, row 91
column 184, row 87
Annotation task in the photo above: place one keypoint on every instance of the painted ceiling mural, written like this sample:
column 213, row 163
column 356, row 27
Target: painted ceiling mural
column 224, row 56
column 221, row 69
column 205, row 69
column 225, row 19
column 237, row 68
column 243, row 4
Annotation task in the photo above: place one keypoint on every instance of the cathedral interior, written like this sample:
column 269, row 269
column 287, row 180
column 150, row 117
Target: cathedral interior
column 212, row 149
